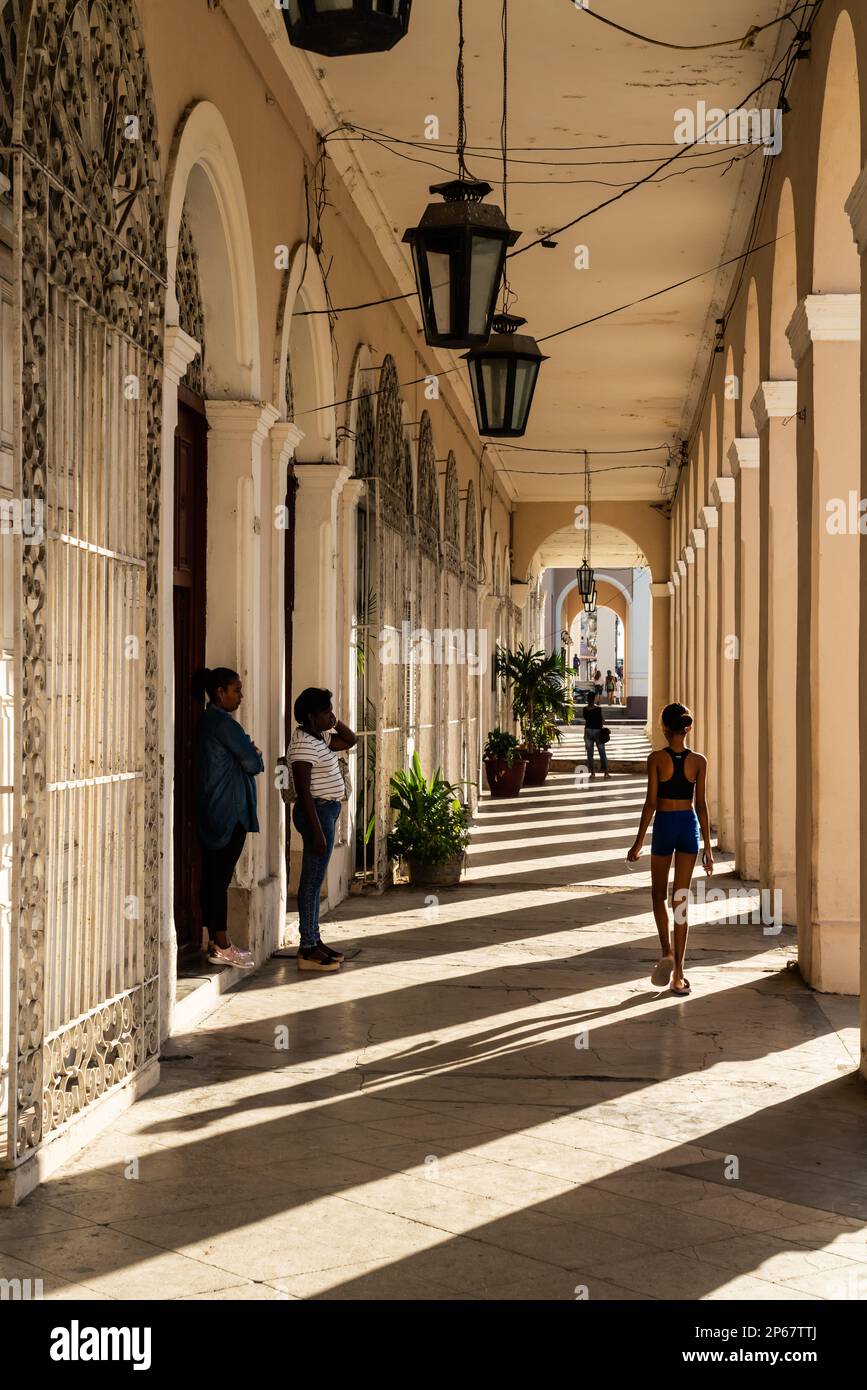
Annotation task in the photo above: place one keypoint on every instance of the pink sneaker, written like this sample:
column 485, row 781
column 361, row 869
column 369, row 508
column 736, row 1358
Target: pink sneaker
column 230, row 955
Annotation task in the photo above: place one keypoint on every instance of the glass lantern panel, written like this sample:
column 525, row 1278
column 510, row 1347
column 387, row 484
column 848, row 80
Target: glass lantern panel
column 439, row 264
column 294, row 11
column 334, row 4
column 484, row 281
column 525, row 376
column 495, row 379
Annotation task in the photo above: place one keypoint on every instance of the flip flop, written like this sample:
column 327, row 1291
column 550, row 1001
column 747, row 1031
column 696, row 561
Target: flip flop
column 662, row 971
column 686, row 989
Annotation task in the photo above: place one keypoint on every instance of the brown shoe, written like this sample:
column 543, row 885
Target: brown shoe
column 316, row 958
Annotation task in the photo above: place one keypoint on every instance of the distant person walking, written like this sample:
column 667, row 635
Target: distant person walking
column 320, row 787
column 675, row 775
column 597, row 682
column 610, row 687
column 594, row 723
column 227, row 763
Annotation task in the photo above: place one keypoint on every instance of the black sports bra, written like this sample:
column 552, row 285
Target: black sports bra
column 678, row 787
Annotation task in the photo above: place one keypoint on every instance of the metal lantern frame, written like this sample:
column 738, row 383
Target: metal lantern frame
column 504, row 375
column 355, row 27
column 450, row 240
column 586, row 580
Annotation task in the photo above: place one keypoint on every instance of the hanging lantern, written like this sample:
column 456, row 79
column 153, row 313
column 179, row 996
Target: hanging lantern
column 338, row 28
column 503, row 376
column 459, row 251
column 586, row 582
column 590, row 602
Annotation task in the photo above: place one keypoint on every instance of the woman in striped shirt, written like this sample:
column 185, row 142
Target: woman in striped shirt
column 313, row 750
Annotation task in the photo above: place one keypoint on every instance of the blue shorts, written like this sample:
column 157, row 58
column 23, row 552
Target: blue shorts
column 675, row 831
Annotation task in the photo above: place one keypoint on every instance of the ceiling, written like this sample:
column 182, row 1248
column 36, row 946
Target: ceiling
column 632, row 380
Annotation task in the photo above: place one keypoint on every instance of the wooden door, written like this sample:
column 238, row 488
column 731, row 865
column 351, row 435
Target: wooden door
column 189, row 630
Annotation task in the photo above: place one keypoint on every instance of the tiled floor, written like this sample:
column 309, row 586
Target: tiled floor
column 489, row 1102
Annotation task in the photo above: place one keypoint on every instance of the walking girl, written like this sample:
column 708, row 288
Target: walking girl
column 675, row 775
column 227, row 763
column 320, row 790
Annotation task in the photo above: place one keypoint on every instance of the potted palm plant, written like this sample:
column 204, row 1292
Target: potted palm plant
column 505, row 768
column 431, row 828
column 536, row 681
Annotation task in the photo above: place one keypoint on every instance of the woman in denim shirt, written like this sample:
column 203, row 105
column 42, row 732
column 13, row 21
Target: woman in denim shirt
column 227, row 762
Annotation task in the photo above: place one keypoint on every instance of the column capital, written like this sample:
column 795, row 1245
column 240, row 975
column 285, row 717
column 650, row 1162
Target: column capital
column 179, row 351
column 352, row 489
column 697, row 538
column 709, row 518
column 322, row 477
column 250, row 421
column 285, row 438
column 774, row 400
column 856, row 206
column 722, row 490
column 824, row 318
column 520, row 593
column 662, row 590
column 674, row 581
column 689, row 554
column 743, row 455
column 681, row 568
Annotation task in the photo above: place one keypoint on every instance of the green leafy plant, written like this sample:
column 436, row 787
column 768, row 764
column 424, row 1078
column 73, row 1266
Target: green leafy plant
column 536, row 681
column 542, row 734
column 502, row 745
column 432, row 823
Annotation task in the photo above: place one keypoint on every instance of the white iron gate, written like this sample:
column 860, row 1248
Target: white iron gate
column 89, row 283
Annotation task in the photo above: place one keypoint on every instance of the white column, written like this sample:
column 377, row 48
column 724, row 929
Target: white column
column 660, row 655
column 825, row 340
column 744, row 458
column 697, row 539
column 640, row 639
column 285, row 438
column 708, row 739
column 775, row 407
column 856, row 207
column 237, row 632
column 317, row 634
column 688, row 698
column 723, row 494
column 683, row 632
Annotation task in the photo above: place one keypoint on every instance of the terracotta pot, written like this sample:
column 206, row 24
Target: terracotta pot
column 538, row 767
column 504, row 780
column 435, row 875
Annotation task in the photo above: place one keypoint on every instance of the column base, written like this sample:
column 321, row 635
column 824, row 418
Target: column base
column 784, row 881
column 748, row 860
column 836, row 958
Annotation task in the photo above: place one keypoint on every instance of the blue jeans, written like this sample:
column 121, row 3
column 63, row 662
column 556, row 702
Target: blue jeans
column 593, row 739
column 313, row 866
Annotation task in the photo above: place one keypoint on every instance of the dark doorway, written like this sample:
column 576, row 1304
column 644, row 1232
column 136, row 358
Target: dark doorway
column 191, row 500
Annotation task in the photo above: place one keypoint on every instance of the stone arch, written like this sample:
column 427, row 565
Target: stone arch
column 752, row 363
column 784, row 288
column 360, row 417
column 471, row 536
column 304, row 359
column 427, row 491
column 836, row 261
column 204, row 182
column 451, row 516
column 732, row 394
